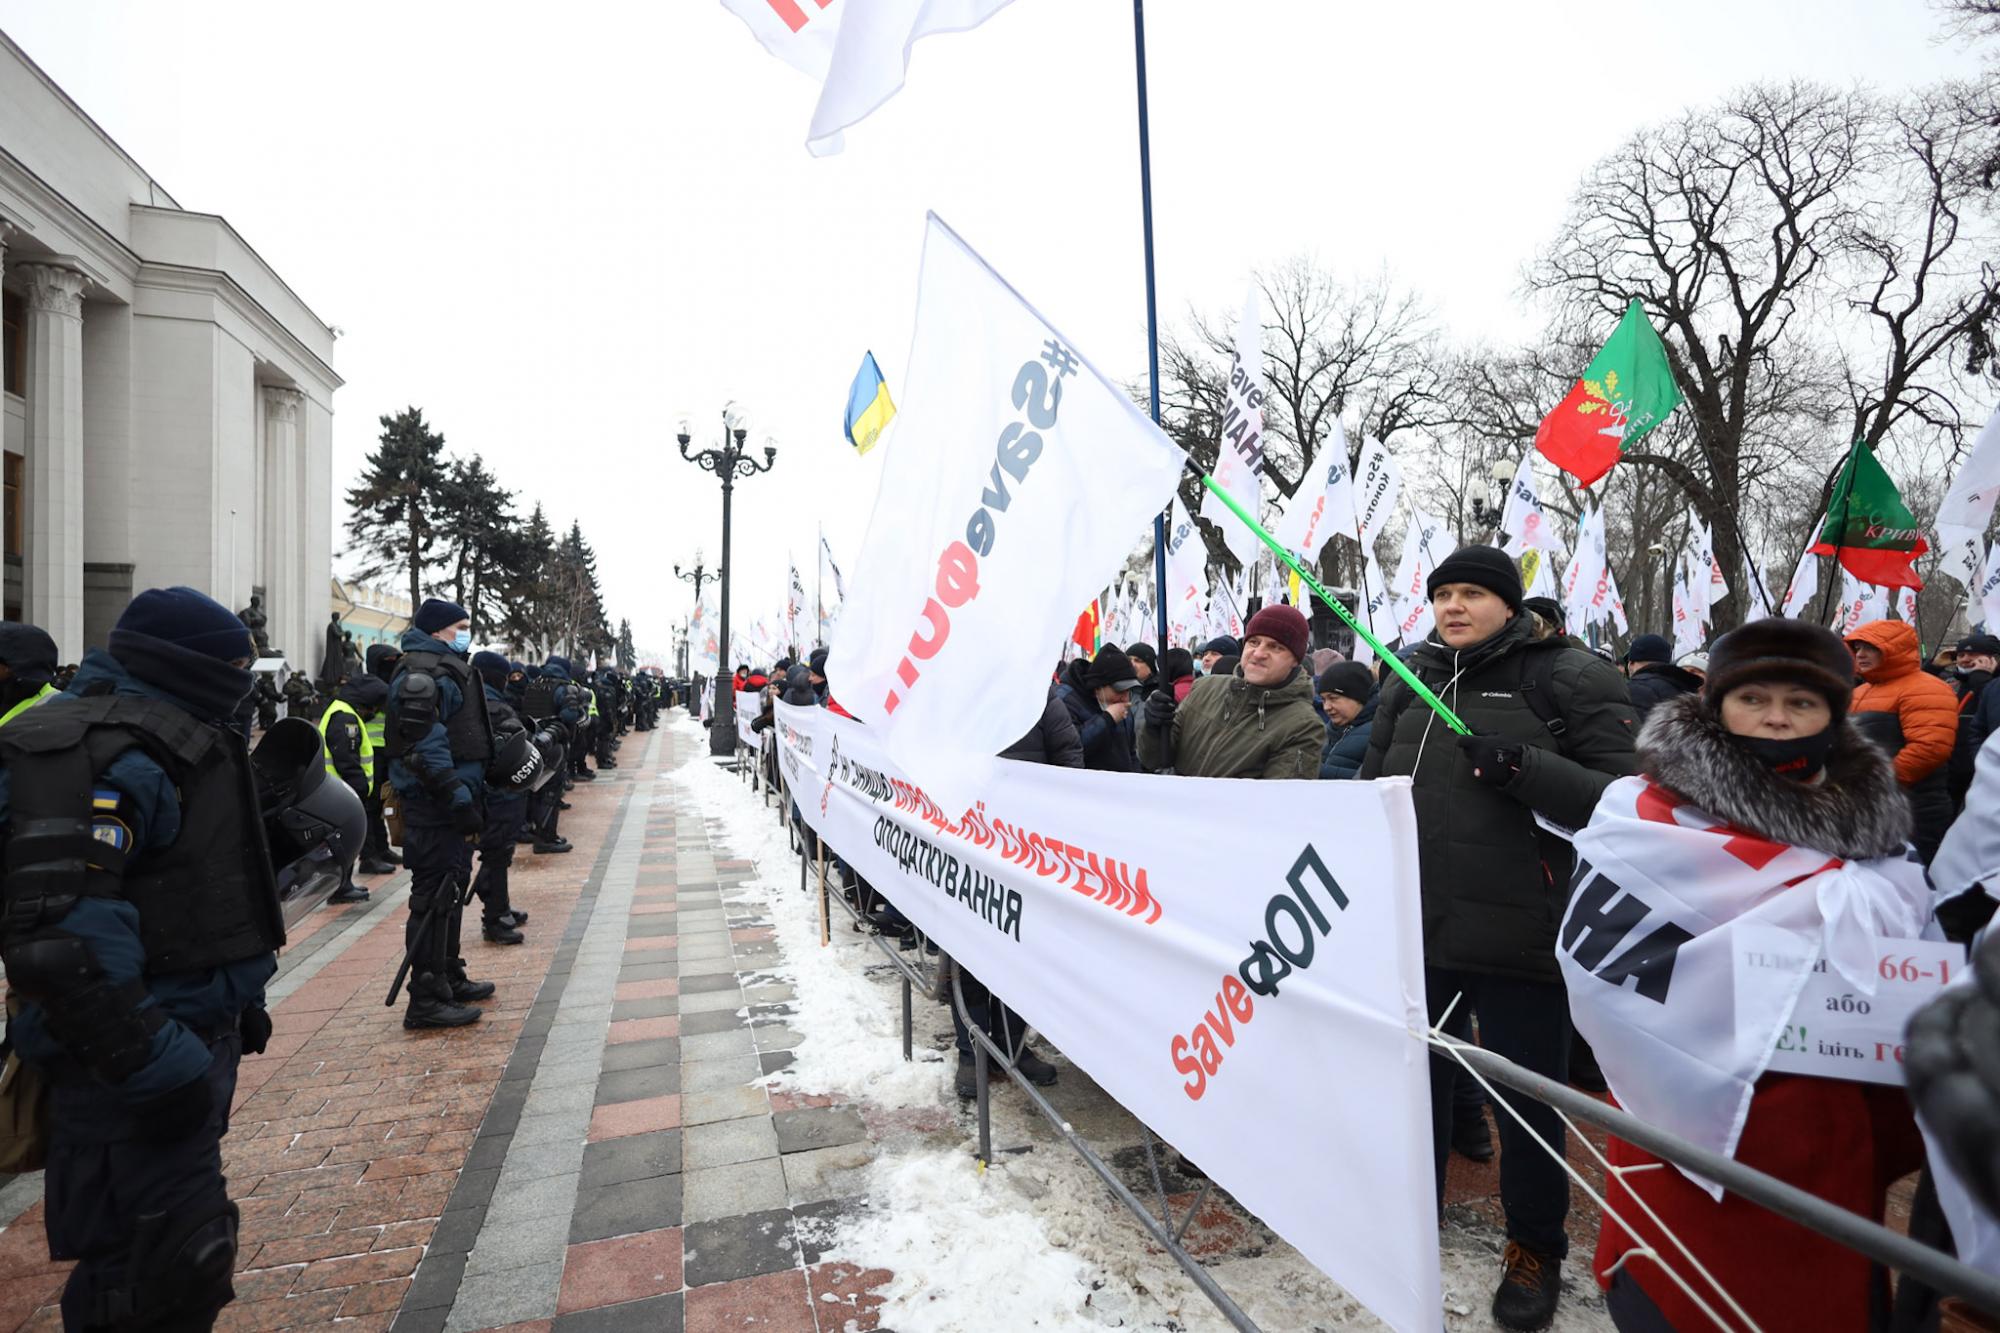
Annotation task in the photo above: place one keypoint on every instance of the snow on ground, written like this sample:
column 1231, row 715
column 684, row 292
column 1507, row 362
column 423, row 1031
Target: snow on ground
column 1037, row 1241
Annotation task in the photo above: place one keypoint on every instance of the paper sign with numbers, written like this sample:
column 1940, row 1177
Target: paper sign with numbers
column 1835, row 1031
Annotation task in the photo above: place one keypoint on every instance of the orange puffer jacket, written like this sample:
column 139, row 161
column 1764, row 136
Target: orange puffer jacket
column 1925, row 705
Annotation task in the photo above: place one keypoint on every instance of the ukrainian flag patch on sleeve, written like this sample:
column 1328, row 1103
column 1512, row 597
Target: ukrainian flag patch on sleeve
column 106, row 798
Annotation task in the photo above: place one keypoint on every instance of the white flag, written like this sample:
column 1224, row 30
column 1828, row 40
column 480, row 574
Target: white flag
column 1523, row 519
column 1803, row 587
column 1412, row 605
column 1274, row 581
column 1377, row 597
column 1906, row 605
column 1690, row 616
column 1859, row 603
column 1036, row 475
column 1225, row 607
column 1758, row 600
column 1585, row 574
column 704, row 652
column 1961, row 553
column 1704, row 577
column 1239, row 459
column 1989, row 591
column 859, row 50
column 1968, row 503
column 1187, row 575
column 1538, row 574
column 1378, row 481
column 1314, row 514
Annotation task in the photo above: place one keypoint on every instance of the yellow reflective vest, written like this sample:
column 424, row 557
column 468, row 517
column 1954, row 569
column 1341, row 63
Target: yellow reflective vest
column 47, row 691
column 367, row 741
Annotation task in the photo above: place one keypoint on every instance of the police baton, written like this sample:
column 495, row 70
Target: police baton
column 459, row 899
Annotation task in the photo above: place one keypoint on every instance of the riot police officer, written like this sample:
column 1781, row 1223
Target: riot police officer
column 499, row 922
column 377, row 857
column 548, row 698
column 439, row 741
column 141, row 924
column 345, row 730
column 27, row 666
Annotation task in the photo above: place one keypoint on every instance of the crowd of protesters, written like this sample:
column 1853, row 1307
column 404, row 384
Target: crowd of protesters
column 1853, row 746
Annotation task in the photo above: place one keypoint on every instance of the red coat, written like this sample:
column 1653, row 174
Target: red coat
column 1845, row 1142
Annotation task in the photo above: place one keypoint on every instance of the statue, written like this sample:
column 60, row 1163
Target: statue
column 254, row 620
column 332, row 662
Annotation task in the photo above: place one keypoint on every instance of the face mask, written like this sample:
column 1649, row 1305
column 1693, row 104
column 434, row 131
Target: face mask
column 462, row 640
column 1799, row 758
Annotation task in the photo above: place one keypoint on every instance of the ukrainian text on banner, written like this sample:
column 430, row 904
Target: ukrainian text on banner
column 749, row 706
column 1257, row 1001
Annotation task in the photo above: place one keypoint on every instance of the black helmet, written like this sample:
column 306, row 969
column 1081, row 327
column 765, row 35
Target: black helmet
column 313, row 824
column 517, row 764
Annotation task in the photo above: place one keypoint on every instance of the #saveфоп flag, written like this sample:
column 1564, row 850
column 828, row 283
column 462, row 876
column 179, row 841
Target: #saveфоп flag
column 1869, row 527
column 1627, row 390
column 868, row 407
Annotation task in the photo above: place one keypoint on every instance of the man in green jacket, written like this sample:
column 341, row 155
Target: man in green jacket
column 1553, row 726
column 1256, row 723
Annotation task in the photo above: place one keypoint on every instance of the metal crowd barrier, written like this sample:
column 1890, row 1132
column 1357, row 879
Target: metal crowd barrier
column 1941, row 1272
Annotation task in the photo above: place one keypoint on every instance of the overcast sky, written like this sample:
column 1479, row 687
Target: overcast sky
column 558, row 229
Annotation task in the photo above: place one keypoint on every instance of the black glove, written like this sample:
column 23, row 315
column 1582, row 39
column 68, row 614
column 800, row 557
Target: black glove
column 1952, row 1064
column 254, row 1024
column 1496, row 761
column 176, row 1114
column 1160, row 708
column 466, row 819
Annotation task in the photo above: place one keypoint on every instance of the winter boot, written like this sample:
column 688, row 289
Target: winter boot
column 1529, row 1291
column 1033, row 1068
column 516, row 917
column 555, row 848
column 374, row 867
column 464, row 990
column 968, row 1079
column 499, row 932
column 350, row 892
column 431, row 1006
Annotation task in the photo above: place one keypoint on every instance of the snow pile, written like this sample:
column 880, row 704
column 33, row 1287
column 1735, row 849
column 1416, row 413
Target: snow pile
column 850, row 1027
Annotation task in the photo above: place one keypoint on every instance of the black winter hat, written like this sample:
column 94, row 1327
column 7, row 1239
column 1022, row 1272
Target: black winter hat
column 1548, row 608
column 492, row 668
column 1176, row 663
column 816, row 662
column 1649, row 648
column 189, row 620
column 1111, row 667
column 1987, row 644
column 1779, row 649
column 1350, row 680
column 28, row 651
column 1488, row 566
column 436, row 614
column 1223, row 644
column 1143, row 652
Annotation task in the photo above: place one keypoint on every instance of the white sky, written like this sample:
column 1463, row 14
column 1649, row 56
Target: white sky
column 558, row 228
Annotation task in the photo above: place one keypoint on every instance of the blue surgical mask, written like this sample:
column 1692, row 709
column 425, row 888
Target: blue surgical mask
column 462, row 640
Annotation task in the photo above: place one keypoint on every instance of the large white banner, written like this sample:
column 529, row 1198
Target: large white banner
column 1239, row 458
column 1258, row 1002
column 1018, row 480
column 749, row 707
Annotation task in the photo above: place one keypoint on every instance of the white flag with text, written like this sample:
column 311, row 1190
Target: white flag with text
column 1523, row 518
column 1803, row 587
column 1239, row 459
column 1316, row 513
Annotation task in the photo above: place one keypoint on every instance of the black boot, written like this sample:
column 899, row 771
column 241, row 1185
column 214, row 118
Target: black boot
column 516, row 917
column 1528, row 1293
column 968, row 1079
column 349, row 892
column 1470, row 1136
column 495, row 932
column 431, row 1006
column 1033, row 1068
column 373, row 867
column 465, row 990
column 556, row 848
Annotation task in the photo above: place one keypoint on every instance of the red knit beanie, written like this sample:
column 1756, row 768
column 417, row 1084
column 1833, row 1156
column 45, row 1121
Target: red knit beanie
column 1283, row 623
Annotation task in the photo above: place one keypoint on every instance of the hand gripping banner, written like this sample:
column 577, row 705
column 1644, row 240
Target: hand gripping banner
column 1249, row 984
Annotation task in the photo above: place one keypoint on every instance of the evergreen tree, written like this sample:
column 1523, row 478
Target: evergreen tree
column 628, row 656
column 395, row 520
column 481, row 539
column 575, row 605
column 529, row 623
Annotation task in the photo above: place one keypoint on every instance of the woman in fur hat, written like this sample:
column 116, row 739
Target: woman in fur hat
column 1760, row 807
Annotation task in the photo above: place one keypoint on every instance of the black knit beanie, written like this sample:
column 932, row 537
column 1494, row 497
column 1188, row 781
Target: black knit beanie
column 1488, row 566
column 185, row 643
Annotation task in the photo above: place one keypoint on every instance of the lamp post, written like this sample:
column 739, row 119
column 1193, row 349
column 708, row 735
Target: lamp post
column 1659, row 551
column 730, row 461
column 699, row 574
column 1489, row 510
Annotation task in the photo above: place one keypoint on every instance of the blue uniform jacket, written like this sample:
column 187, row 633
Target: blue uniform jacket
column 421, row 772
column 1347, row 746
column 209, row 1000
column 569, row 713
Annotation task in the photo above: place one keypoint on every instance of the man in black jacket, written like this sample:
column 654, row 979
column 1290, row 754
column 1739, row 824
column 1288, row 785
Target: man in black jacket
column 1971, row 675
column 345, row 732
column 1654, row 677
column 1097, row 692
column 1553, row 726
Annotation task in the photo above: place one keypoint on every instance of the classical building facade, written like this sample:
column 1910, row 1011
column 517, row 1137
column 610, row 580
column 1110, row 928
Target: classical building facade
column 168, row 399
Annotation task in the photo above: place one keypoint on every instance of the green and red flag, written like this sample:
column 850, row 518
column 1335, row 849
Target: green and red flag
column 1869, row 527
column 1627, row 390
column 1088, row 635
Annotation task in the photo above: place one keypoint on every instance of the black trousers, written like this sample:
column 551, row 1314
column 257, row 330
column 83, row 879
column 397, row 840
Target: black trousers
column 544, row 809
column 989, row 1014
column 1526, row 1022
column 375, row 847
column 440, row 865
column 102, row 1180
column 496, row 856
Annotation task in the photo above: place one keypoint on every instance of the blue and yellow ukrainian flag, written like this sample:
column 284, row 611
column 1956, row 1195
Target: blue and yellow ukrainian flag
column 868, row 405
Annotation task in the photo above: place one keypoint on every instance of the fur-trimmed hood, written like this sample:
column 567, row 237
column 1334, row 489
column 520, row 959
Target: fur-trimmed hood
column 1856, row 811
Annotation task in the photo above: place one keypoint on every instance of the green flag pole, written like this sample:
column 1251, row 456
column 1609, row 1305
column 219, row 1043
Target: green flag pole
column 1306, row 578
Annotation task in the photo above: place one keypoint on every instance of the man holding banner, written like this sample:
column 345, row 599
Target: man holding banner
column 1552, row 728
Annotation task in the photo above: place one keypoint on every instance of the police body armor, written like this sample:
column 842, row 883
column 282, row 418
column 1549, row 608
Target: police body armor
column 467, row 731
column 208, row 899
column 539, row 699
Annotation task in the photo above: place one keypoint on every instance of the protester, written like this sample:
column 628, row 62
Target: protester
column 1654, row 677
column 1911, row 714
column 1347, row 695
column 1548, row 616
column 1146, row 667
column 1696, row 663
column 1097, row 691
column 1553, row 726
column 1767, row 749
column 1257, row 722
column 1177, row 665
column 1977, row 659
column 1214, row 650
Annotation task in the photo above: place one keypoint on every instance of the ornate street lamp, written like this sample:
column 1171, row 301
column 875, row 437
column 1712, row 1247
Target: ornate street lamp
column 730, row 461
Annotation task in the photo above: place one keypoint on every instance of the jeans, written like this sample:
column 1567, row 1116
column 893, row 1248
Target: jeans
column 1526, row 1022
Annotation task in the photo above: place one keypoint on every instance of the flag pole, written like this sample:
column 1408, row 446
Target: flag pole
column 1423, row 691
column 1152, row 306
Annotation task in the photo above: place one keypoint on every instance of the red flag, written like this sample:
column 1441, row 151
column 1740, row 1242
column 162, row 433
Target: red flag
column 1087, row 629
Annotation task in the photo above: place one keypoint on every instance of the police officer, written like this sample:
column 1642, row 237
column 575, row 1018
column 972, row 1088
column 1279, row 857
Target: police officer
column 377, row 857
column 605, row 694
column 344, row 729
column 27, row 668
column 439, row 741
column 499, row 923
column 547, row 695
column 140, row 927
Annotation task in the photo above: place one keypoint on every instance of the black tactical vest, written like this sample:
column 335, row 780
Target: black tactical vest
column 207, row 899
column 468, row 731
column 538, row 699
